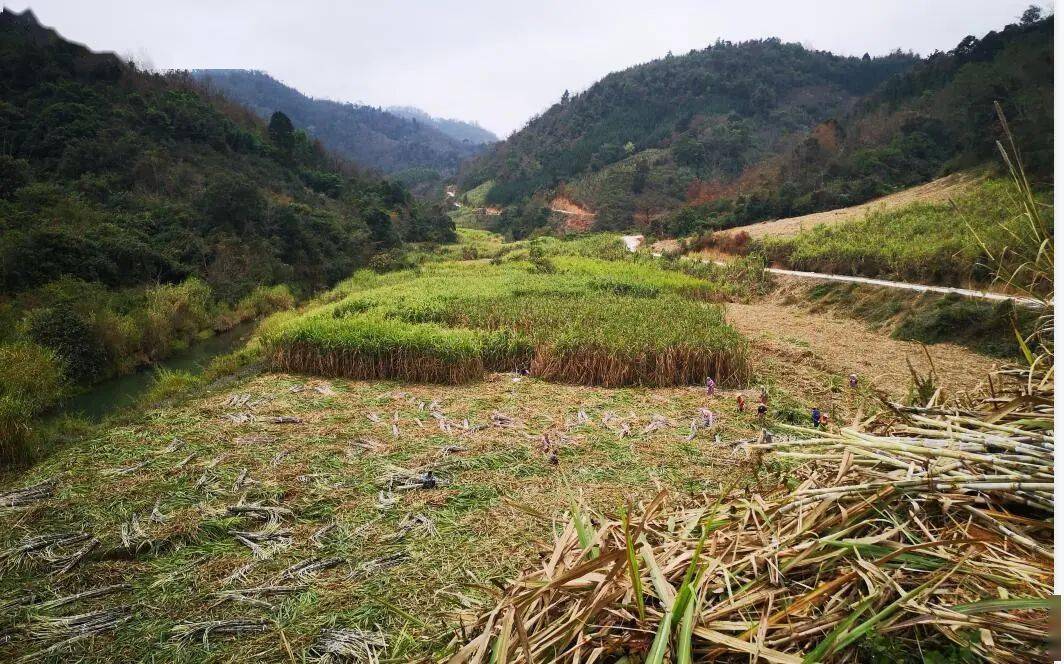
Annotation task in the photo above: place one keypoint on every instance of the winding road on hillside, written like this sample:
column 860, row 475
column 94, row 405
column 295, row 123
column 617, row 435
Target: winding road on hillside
column 633, row 242
column 922, row 288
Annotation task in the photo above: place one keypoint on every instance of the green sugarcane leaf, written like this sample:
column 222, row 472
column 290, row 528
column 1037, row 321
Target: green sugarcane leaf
column 684, row 598
column 1017, row 604
column 656, row 654
column 824, row 647
column 583, row 534
column 1023, row 346
column 683, row 638
column 870, row 624
column 633, row 567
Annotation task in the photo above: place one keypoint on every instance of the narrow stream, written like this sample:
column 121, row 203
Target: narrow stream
column 122, row 391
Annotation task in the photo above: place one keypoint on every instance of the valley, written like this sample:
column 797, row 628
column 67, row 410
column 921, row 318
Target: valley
column 742, row 354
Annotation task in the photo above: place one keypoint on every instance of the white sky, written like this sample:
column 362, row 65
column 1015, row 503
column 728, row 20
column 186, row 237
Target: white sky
column 492, row 61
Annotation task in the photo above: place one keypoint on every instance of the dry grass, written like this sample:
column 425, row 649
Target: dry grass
column 938, row 191
column 927, row 529
column 804, row 340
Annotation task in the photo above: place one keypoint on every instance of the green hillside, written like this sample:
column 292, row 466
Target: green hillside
column 741, row 100
column 694, row 143
column 937, row 118
column 138, row 213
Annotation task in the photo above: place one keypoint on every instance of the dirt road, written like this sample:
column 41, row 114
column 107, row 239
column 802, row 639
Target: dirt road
column 798, row 346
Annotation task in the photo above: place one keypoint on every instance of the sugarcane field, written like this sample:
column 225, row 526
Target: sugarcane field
column 742, row 354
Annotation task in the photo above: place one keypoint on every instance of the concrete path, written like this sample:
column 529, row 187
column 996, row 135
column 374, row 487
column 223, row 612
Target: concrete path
column 634, row 241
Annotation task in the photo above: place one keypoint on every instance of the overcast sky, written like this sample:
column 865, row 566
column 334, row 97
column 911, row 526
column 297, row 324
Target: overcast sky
column 493, row 61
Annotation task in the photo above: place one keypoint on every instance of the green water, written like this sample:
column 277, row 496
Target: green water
column 121, row 392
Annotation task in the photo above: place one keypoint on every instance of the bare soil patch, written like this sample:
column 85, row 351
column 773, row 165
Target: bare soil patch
column 577, row 218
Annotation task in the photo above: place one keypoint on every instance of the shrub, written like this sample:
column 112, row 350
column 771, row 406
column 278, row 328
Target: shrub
column 265, row 300
column 14, row 174
column 174, row 315
column 121, row 338
column 542, row 265
column 67, row 333
column 169, row 384
column 733, row 243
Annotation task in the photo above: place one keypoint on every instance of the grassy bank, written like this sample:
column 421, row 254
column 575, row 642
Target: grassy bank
column 70, row 335
column 926, row 243
column 566, row 318
column 929, row 318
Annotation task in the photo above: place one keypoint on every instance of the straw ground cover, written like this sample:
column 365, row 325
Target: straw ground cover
column 566, row 318
column 275, row 519
column 266, row 513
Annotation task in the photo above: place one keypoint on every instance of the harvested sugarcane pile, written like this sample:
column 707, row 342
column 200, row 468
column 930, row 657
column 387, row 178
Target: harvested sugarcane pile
column 928, row 532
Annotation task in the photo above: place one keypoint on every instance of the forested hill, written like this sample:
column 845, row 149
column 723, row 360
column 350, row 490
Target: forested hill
column 736, row 101
column 937, row 117
column 456, row 129
column 368, row 136
column 136, row 209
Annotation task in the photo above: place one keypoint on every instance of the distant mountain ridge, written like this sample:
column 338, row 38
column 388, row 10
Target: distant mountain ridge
column 457, row 129
column 368, row 136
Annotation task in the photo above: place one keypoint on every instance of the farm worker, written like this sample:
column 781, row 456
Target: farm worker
column 816, row 417
column 711, row 386
column 853, row 381
column 740, row 401
column 762, row 410
column 824, row 420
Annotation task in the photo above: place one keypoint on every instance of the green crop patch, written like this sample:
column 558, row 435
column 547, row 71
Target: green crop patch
column 586, row 321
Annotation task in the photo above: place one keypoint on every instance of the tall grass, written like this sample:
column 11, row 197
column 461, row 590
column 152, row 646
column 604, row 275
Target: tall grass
column 1025, row 263
column 590, row 322
column 31, row 381
column 370, row 347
